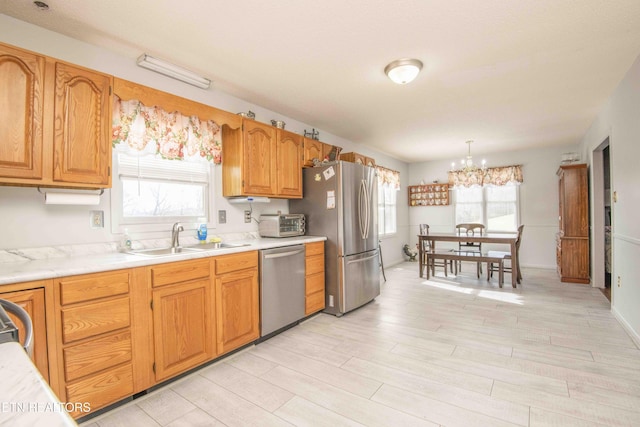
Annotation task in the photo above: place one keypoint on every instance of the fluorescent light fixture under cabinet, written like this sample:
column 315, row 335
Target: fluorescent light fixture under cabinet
column 238, row 200
column 173, row 71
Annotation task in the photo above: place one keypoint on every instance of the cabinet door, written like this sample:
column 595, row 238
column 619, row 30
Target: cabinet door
column 237, row 309
column 32, row 301
column 289, row 164
column 312, row 150
column 259, row 168
column 182, row 327
column 21, row 110
column 82, row 117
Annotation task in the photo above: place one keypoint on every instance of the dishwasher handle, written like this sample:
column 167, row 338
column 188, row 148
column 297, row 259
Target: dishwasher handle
column 282, row 254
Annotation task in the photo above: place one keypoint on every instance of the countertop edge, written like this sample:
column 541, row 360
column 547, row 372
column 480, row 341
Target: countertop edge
column 25, row 397
column 51, row 268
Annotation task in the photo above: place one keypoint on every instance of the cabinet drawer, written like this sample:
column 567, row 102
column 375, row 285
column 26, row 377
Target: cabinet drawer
column 234, row 262
column 176, row 272
column 97, row 355
column 86, row 288
column 314, row 283
column 314, row 302
column 102, row 389
column 314, row 264
column 93, row 319
column 314, row 248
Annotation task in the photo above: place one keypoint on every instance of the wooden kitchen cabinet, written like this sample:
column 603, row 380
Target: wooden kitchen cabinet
column 182, row 305
column 55, row 123
column 261, row 160
column 32, row 299
column 358, row 158
column 572, row 248
column 82, row 131
column 314, row 277
column 289, row 163
column 313, row 149
column 21, row 113
column 93, row 329
column 237, row 300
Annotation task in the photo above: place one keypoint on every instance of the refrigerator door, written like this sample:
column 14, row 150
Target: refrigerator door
column 359, row 208
column 360, row 280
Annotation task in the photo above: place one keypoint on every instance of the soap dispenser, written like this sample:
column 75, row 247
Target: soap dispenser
column 125, row 243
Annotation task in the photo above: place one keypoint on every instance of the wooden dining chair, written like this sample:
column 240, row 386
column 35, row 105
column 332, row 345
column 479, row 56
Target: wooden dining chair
column 507, row 256
column 426, row 247
column 470, row 229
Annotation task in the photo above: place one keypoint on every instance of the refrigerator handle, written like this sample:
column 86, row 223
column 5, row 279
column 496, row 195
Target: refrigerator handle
column 362, row 217
column 368, row 210
column 355, row 261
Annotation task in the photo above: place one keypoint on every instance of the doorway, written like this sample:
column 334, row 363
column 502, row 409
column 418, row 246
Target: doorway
column 602, row 224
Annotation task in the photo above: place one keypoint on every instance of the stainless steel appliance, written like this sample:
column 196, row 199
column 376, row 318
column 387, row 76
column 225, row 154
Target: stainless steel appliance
column 282, row 287
column 9, row 331
column 340, row 202
column 281, row 225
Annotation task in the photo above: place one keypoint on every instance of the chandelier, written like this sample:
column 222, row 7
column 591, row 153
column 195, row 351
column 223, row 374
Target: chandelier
column 466, row 165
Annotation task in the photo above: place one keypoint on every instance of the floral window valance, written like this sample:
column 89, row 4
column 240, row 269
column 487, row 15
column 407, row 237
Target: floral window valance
column 491, row 176
column 141, row 130
column 388, row 177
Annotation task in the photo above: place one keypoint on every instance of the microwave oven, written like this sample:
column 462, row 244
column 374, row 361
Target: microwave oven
column 281, row 225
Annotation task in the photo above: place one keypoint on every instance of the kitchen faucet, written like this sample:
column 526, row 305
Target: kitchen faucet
column 175, row 235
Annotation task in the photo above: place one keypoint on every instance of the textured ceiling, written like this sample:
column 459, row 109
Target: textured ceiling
column 507, row 74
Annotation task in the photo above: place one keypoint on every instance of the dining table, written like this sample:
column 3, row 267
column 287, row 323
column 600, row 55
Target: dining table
column 489, row 238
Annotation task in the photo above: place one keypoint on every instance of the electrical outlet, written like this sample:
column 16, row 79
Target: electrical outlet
column 247, row 216
column 96, row 219
column 619, row 281
column 222, row 217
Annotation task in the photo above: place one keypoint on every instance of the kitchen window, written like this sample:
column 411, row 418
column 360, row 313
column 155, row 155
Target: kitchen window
column 387, row 210
column 497, row 207
column 150, row 193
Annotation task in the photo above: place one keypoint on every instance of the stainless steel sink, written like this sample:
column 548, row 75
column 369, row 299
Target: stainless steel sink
column 163, row 251
column 213, row 246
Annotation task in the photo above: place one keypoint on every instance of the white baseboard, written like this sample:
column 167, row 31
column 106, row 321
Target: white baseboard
column 633, row 334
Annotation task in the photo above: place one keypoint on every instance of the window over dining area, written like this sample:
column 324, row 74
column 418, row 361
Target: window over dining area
column 489, row 197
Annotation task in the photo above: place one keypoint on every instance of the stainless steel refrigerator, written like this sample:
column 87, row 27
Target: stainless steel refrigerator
column 340, row 202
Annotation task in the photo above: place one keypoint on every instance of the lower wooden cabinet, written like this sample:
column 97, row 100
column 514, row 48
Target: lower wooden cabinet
column 183, row 314
column 32, row 300
column 93, row 326
column 314, row 277
column 183, row 327
column 237, row 300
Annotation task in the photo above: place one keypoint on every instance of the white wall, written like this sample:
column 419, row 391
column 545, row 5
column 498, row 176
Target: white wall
column 27, row 222
column 619, row 120
column 538, row 199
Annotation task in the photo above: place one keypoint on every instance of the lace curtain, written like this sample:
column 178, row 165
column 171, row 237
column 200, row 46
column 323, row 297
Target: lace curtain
column 388, row 177
column 491, row 176
column 141, row 130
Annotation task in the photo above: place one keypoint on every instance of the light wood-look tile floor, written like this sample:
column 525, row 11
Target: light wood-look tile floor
column 445, row 352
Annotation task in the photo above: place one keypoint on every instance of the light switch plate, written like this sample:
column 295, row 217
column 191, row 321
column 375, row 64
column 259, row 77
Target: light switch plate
column 96, row 219
column 222, row 217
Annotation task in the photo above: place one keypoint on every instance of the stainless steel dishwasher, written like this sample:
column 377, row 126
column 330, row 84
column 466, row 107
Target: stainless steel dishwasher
column 282, row 287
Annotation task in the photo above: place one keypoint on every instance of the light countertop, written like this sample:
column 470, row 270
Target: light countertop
column 24, row 270
column 25, row 397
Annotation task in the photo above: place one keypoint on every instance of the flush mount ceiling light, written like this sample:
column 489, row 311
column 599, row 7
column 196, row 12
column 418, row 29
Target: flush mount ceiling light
column 403, row 71
column 178, row 73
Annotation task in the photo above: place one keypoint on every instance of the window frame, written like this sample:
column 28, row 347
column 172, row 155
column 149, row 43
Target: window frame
column 383, row 206
column 485, row 218
column 119, row 224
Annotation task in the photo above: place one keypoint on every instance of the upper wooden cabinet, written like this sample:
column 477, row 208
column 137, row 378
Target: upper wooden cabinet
column 21, row 110
column 260, row 160
column 82, row 118
column 289, row 164
column 312, row 150
column 55, row 122
column 358, row 158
